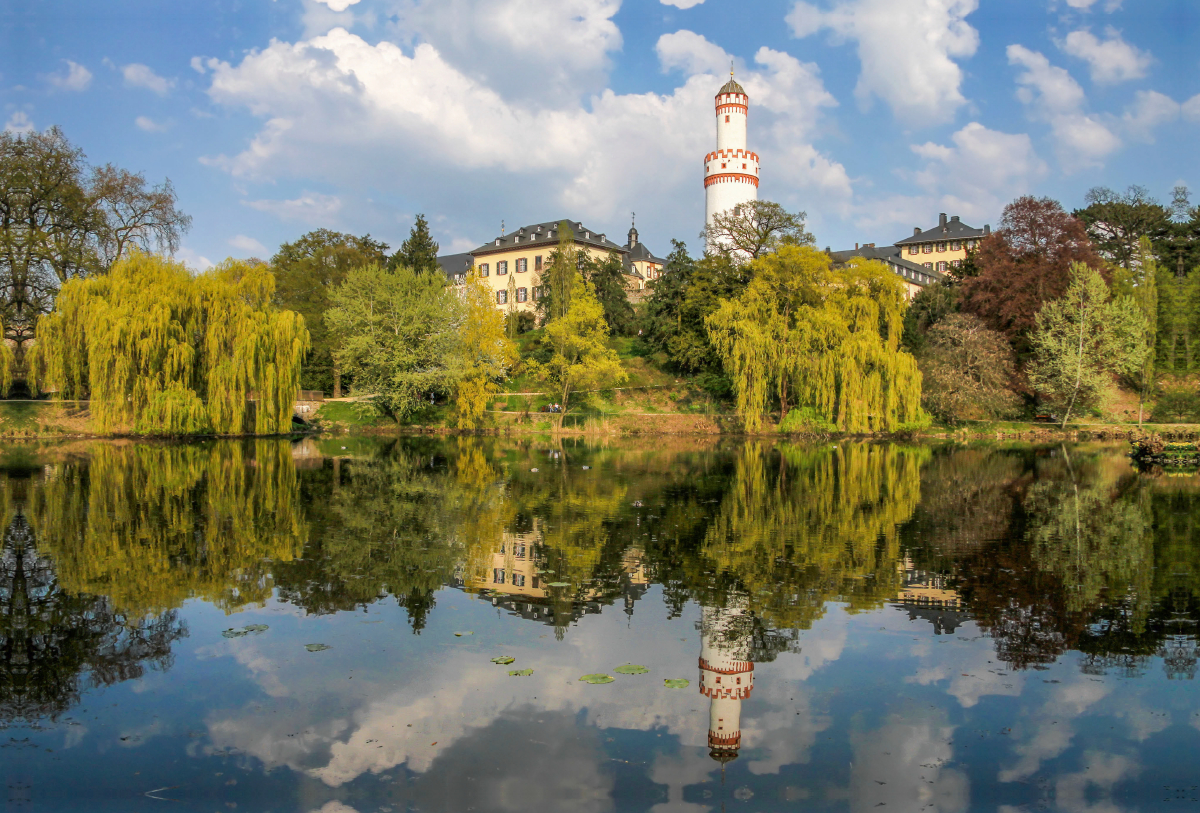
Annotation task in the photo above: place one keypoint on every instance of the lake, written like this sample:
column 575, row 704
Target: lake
column 348, row 625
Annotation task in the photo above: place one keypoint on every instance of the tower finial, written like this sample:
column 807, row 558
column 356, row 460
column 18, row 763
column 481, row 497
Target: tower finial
column 633, row 218
column 731, row 69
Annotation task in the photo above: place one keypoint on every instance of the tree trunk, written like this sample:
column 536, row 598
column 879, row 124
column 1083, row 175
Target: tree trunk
column 337, row 381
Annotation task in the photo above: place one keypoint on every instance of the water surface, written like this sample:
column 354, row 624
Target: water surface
column 278, row 626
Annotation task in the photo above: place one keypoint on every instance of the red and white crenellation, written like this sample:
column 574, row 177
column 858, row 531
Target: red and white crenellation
column 730, row 171
column 726, row 676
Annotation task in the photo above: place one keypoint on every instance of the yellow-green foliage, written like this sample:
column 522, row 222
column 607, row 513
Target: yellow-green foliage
column 151, row 526
column 161, row 351
column 813, row 336
column 485, row 353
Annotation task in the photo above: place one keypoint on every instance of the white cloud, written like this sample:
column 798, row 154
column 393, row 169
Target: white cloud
column 150, row 125
column 248, row 244
column 682, row 3
column 74, row 77
column 340, row 110
column 1110, row 60
column 19, row 122
column 1081, row 140
column 311, row 207
column 1150, row 109
column 981, row 171
column 1191, row 108
column 690, row 53
column 338, row 5
column 1086, row 5
column 193, row 260
column 142, row 76
column 540, row 51
column 907, row 49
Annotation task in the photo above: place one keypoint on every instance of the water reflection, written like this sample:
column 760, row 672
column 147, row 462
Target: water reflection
column 935, row 583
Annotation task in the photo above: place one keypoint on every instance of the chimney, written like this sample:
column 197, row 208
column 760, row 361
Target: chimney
column 954, row 219
column 942, row 220
column 856, row 246
column 987, row 229
column 916, row 230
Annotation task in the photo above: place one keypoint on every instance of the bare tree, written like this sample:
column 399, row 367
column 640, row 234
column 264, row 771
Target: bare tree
column 135, row 214
column 751, row 229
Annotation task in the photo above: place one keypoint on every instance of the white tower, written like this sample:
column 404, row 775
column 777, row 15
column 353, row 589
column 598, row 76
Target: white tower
column 731, row 172
column 726, row 676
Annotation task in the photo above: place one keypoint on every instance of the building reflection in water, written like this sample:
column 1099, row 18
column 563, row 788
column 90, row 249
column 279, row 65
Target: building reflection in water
column 726, row 674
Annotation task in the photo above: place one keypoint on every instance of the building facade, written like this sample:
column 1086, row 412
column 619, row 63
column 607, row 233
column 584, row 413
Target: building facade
column 926, row 257
column 731, row 171
column 511, row 265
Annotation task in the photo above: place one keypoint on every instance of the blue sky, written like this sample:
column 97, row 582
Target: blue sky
column 273, row 117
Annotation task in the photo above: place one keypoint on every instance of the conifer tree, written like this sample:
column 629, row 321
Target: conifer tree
column 419, row 252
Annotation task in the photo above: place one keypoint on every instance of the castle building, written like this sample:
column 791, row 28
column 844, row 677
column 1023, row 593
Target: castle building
column 731, row 171
column 511, row 264
column 726, row 675
column 925, row 257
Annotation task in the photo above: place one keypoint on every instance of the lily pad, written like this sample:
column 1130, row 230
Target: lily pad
column 461, row 634
column 676, row 683
column 631, row 669
column 520, row 672
column 234, row 633
column 317, row 647
column 256, row 628
column 503, row 660
column 559, row 584
column 241, row 632
column 596, row 679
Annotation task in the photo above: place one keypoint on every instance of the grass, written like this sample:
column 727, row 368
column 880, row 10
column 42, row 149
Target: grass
column 351, row 414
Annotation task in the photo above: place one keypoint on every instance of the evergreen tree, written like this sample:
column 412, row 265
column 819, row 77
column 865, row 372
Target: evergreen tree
column 607, row 278
column 419, row 252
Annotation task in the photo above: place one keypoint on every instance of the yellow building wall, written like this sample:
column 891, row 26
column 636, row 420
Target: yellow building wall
column 938, row 251
column 529, row 278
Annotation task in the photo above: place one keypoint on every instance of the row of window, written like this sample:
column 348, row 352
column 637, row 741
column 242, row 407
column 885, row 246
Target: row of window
column 943, row 265
column 951, row 245
column 502, row 266
column 522, row 295
column 518, row 579
column 518, row 550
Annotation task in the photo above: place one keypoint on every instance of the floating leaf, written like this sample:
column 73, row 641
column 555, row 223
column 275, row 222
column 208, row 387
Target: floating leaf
column 559, row 584
column 256, row 628
column 461, row 634
column 676, row 683
column 503, row 660
column 631, row 669
column 234, row 633
column 240, row 632
column 596, row 679
column 520, row 672
column 317, row 647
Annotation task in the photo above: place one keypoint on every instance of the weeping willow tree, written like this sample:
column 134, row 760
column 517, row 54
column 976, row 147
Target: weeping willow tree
column 826, row 340
column 160, row 351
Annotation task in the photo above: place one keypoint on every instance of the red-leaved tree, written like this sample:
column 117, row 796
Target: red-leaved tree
column 1024, row 264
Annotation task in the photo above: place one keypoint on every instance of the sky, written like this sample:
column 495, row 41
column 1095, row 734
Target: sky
column 275, row 117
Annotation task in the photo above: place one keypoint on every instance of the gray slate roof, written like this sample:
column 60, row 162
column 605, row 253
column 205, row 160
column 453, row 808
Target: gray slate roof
column 454, row 265
column 893, row 256
column 953, row 229
column 546, row 234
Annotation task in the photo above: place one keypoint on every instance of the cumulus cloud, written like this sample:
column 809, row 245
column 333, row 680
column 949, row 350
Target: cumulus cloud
column 192, row 259
column 907, row 49
column 143, row 76
column 311, row 207
column 539, row 51
column 150, row 125
column 1150, row 109
column 338, row 5
column 338, row 109
column 979, row 170
column 19, row 122
column 690, row 53
column 1191, row 108
column 682, row 3
column 248, row 244
column 1053, row 96
column 1110, row 60
column 73, row 77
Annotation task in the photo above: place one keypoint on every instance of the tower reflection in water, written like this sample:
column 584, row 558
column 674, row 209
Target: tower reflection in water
column 726, row 674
